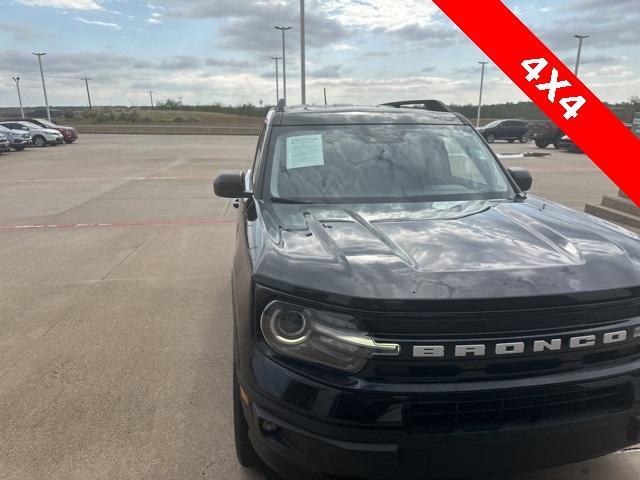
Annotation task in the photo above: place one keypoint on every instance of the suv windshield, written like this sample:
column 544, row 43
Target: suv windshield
column 381, row 163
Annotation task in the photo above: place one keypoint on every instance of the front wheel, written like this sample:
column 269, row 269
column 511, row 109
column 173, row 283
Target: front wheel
column 512, row 140
column 556, row 144
column 19, row 149
column 39, row 141
column 491, row 138
column 524, row 138
column 542, row 143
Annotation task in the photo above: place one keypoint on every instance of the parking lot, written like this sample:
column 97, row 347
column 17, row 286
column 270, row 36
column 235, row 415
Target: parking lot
column 115, row 320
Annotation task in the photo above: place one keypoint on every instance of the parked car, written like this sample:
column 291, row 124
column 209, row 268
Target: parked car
column 69, row 134
column 510, row 130
column 545, row 134
column 19, row 139
column 636, row 124
column 40, row 137
column 566, row 143
column 398, row 299
column 5, row 144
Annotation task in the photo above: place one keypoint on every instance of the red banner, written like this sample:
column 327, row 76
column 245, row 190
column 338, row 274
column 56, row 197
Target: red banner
column 553, row 87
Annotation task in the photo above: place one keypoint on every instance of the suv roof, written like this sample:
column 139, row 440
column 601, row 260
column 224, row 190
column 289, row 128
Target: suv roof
column 361, row 115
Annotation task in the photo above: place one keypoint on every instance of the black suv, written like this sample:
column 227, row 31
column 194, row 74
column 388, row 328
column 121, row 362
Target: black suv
column 510, row 130
column 402, row 309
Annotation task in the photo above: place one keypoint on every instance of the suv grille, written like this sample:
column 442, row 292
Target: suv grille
column 491, row 412
column 425, row 370
column 488, row 328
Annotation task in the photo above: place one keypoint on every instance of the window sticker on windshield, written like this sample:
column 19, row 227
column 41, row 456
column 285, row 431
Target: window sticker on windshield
column 305, row 151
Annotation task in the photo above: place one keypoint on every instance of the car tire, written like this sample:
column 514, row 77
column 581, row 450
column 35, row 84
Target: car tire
column 490, row 138
column 19, row 149
column 39, row 141
column 556, row 144
column 512, row 140
column 69, row 141
column 542, row 143
column 247, row 456
column 524, row 138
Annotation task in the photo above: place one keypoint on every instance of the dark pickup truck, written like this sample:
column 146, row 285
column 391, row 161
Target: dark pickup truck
column 402, row 309
column 545, row 134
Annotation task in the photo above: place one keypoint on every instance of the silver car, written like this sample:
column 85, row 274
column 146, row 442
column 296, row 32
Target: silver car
column 5, row 146
column 19, row 139
column 40, row 137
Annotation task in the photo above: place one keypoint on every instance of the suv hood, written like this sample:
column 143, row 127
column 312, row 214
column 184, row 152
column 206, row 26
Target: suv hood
column 445, row 250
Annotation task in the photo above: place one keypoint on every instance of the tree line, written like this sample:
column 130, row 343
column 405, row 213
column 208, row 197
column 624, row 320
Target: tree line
column 522, row 110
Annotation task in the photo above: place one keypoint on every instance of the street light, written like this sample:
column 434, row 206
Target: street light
column 580, row 40
column 44, row 87
column 481, row 88
column 17, row 80
column 277, row 79
column 284, row 63
column 303, row 48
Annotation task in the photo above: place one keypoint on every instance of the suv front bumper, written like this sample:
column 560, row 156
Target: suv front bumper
column 323, row 432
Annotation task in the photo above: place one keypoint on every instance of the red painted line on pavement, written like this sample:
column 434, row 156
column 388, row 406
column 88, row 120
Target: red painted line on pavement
column 139, row 223
column 97, row 179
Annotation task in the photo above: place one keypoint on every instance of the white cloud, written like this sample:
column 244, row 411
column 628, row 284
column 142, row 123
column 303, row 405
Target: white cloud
column 343, row 47
column 155, row 21
column 381, row 14
column 70, row 4
column 99, row 23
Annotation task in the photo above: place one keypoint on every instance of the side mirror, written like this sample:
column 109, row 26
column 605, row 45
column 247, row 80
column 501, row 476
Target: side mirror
column 522, row 177
column 230, row 185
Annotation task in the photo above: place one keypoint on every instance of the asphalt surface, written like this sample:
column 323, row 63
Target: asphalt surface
column 115, row 321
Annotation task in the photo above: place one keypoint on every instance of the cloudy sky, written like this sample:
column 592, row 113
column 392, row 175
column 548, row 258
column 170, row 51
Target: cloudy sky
column 362, row 51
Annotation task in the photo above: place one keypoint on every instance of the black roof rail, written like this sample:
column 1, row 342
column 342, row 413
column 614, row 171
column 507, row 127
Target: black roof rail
column 432, row 105
column 280, row 106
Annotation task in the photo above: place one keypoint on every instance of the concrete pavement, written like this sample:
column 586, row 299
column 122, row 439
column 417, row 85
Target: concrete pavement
column 115, row 322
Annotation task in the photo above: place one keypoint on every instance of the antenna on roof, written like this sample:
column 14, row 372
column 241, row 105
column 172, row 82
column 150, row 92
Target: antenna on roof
column 280, row 106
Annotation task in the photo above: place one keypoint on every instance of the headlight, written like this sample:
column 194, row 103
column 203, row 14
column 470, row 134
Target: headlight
column 325, row 338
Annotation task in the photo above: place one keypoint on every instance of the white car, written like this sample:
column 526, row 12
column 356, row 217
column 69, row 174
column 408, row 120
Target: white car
column 19, row 139
column 40, row 137
column 5, row 146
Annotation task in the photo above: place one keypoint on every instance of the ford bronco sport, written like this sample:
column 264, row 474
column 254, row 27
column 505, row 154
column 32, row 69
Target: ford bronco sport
column 403, row 309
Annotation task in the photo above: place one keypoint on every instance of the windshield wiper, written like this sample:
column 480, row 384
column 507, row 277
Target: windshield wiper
column 291, row 201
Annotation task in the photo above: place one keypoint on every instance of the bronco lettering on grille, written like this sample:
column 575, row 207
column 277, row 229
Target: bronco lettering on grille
column 557, row 344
